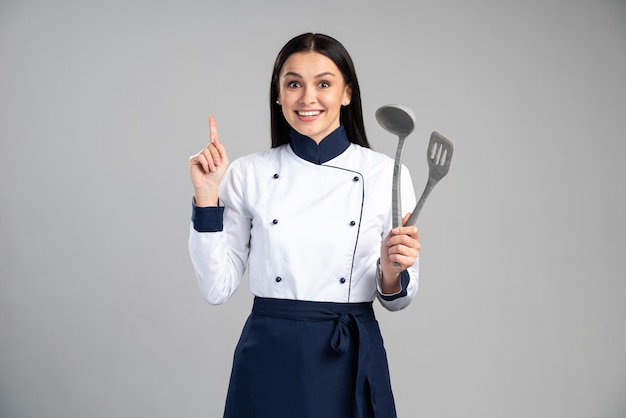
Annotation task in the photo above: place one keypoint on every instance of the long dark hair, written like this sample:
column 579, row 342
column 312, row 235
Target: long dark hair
column 351, row 116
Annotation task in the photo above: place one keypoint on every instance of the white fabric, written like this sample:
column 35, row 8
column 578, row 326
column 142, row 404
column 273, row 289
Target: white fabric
column 298, row 227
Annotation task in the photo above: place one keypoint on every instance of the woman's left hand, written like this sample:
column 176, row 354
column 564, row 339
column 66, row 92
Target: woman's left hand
column 398, row 252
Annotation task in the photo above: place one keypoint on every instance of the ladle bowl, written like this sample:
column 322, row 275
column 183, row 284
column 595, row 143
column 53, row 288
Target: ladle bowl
column 396, row 119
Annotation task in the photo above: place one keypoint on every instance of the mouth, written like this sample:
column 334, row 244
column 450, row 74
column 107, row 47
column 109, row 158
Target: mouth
column 308, row 113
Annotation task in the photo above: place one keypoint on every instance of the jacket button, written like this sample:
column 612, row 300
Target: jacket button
column 278, row 279
column 356, row 178
column 352, row 223
column 276, row 176
column 275, row 221
column 342, row 280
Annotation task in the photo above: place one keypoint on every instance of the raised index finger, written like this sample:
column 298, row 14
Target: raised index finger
column 213, row 136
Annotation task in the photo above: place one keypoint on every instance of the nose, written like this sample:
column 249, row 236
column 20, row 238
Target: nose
column 308, row 95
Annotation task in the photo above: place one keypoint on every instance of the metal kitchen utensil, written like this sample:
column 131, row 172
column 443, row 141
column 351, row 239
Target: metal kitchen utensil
column 439, row 156
column 398, row 120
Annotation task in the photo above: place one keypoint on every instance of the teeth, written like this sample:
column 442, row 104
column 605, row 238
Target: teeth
column 309, row 113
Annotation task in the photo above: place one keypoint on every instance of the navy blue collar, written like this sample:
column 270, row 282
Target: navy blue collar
column 330, row 147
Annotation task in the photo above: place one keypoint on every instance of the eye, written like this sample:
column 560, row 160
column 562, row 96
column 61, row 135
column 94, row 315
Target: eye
column 293, row 84
column 324, row 84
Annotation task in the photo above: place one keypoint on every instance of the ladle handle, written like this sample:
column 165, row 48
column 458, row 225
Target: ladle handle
column 396, row 201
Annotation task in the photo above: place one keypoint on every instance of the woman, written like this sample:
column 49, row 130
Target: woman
column 310, row 220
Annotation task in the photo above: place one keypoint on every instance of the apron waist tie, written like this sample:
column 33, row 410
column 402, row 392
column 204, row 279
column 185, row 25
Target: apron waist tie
column 340, row 342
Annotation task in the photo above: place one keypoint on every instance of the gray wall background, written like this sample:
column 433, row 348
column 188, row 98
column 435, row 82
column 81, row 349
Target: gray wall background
column 521, row 310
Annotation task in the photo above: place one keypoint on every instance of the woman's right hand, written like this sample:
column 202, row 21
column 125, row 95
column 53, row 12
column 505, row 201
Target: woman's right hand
column 207, row 168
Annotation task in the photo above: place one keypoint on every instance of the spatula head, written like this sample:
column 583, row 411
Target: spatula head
column 439, row 155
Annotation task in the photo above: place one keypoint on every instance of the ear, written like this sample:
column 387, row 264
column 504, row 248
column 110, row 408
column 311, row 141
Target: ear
column 347, row 95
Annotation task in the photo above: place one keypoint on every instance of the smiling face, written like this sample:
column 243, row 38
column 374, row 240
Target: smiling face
column 311, row 92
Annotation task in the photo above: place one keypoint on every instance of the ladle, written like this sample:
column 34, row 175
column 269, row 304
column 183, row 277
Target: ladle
column 398, row 120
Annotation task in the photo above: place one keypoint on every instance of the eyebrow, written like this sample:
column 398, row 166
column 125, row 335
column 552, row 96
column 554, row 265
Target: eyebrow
column 324, row 74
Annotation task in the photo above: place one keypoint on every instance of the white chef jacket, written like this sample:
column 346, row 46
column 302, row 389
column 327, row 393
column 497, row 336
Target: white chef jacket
column 304, row 230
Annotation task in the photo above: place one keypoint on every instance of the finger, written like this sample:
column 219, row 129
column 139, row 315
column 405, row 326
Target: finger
column 213, row 136
column 204, row 163
column 207, row 155
column 403, row 262
column 218, row 151
column 403, row 244
column 408, row 250
column 406, row 256
column 215, row 141
column 402, row 229
column 199, row 160
column 402, row 239
column 406, row 230
column 405, row 220
column 221, row 150
column 213, row 153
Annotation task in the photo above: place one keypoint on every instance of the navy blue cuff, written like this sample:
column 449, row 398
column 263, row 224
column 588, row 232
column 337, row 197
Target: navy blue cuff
column 208, row 219
column 404, row 283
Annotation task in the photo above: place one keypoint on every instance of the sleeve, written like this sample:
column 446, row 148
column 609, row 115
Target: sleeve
column 207, row 219
column 409, row 278
column 220, row 255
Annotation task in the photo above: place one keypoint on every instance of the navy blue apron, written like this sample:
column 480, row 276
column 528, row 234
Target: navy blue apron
column 299, row 359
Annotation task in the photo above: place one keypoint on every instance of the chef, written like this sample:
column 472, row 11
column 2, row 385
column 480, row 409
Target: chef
column 310, row 221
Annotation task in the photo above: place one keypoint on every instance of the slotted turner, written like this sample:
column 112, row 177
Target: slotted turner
column 439, row 155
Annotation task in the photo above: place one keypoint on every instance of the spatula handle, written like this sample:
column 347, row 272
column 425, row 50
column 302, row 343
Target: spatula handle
column 418, row 208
